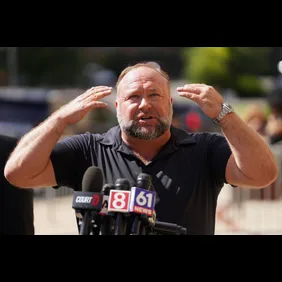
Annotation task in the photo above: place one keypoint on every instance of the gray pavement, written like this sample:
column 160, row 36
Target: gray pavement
column 54, row 216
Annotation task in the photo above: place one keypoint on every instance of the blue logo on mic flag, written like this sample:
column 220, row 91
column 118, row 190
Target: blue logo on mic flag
column 142, row 201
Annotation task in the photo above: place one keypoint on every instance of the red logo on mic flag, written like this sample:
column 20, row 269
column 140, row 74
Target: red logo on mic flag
column 95, row 200
column 119, row 200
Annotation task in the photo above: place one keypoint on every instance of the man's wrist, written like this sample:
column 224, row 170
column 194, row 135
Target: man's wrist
column 57, row 123
column 226, row 109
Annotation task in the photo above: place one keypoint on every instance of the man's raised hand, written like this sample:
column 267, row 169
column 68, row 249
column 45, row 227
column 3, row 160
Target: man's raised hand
column 209, row 100
column 75, row 110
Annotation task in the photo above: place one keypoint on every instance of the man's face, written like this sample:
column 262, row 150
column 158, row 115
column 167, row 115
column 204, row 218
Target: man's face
column 144, row 106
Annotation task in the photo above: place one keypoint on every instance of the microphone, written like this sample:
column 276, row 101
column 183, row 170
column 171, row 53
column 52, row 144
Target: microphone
column 106, row 223
column 144, row 180
column 89, row 200
column 169, row 228
column 119, row 205
column 142, row 202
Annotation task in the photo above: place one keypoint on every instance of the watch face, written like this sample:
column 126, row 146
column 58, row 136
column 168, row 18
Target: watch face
column 226, row 105
column 226, row 108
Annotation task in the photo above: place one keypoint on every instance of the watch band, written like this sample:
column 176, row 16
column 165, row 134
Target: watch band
column 226, row 109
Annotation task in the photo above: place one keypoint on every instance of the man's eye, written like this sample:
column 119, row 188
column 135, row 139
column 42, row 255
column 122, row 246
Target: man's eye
column 133, row 97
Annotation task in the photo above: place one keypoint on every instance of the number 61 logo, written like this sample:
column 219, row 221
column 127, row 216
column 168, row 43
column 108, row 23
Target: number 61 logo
column 142, row 200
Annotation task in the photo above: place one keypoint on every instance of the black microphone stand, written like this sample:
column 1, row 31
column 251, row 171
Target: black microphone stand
column 86, row 223
column 121, row 219
column 140, row 221
column 106, row 220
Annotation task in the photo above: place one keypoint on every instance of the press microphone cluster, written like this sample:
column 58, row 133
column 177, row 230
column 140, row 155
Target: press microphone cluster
column 118, row 209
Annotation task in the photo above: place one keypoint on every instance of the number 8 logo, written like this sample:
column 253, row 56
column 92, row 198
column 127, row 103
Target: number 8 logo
column 118, row 202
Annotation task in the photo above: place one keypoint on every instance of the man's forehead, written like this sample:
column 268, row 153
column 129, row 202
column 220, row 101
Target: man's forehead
column 137, row 87
column 148, row 77
column 141, row 73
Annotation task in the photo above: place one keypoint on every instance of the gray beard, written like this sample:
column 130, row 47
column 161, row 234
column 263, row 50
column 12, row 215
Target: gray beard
column 131, row 128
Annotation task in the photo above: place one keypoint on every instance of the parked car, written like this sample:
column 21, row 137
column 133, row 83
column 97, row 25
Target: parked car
column 190, row 117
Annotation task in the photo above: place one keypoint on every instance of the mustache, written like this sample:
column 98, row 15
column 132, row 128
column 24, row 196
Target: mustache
column 142, row 114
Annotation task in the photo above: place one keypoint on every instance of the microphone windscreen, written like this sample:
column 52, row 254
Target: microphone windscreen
column 122, row 184
column 92, row 180
column 107, row 187
column 144, row 181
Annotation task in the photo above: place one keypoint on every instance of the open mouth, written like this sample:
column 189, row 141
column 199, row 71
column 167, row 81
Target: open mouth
column 146, row 121
column 146, row 118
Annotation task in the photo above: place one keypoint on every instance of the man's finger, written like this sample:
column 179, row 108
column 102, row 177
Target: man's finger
column 99, row 95
column 95, row 90
column 197, row 85
column 192, row 96
column 189, row 88
column 97, row 104
column 98, row 88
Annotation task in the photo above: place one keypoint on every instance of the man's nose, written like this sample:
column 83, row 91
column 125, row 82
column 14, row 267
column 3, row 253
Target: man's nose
column 144, row 104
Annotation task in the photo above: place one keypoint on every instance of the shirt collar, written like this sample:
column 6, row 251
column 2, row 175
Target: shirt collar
column 182, row 137
column 178, row 137
column 111, row 138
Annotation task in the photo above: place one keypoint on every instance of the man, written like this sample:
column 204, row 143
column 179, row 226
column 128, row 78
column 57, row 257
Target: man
column 16, row 205
column 188, row 170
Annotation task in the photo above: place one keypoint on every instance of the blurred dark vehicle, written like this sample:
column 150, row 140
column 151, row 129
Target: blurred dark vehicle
column 21, row 109
column 190, row 117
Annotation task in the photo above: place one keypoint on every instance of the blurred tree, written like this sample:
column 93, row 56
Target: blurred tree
column 250, row 60
column 238, row 68
column 50, row 66
column 207, row 65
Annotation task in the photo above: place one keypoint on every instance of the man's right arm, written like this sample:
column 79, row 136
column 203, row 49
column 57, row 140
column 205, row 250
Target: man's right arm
column 29, row 165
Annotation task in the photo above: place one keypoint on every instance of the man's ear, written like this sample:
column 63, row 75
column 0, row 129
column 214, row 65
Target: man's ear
column 171, row 100
column 116, row 103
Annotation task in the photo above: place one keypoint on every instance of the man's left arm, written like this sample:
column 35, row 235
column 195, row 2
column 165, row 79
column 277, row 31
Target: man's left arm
column 252, row 163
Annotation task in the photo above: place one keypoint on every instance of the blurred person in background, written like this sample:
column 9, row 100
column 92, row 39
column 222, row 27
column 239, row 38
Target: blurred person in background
column 274, row 121
column 256, row 118
column 273, row 131
column 188, row 169
column 16, row 205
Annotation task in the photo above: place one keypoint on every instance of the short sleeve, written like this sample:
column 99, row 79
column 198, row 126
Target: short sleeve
column 219, row 154
column 70, row 161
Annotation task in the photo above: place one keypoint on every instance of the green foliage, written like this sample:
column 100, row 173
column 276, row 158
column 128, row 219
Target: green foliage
column 250, row 85
column 238, row 68
column 250, row 60
column 207, row 65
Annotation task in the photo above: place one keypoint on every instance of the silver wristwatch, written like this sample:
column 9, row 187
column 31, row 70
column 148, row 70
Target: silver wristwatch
column 226, row 109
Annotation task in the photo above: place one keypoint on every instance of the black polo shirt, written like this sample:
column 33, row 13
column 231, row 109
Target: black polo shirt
column 16, row 204
column 188, row 172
